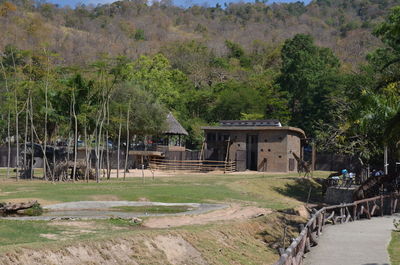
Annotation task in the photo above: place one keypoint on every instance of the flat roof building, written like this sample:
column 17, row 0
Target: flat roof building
column 262, row 145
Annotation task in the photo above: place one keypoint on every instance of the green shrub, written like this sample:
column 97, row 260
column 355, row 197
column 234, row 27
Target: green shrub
column 35, row 210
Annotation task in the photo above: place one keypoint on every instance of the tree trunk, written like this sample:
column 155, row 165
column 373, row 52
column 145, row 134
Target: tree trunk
column 31, row 115
column 16, row 132
column 75, row 136
column 8, row 143
column 26, row 133
column 127, row 141
column 8, row 119
column 107, row 148
column 86, row 156
column 119, row 145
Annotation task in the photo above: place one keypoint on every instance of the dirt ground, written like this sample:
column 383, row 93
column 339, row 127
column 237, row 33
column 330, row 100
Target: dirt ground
column 234, row 212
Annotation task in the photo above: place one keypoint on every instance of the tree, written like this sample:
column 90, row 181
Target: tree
column 310, row 74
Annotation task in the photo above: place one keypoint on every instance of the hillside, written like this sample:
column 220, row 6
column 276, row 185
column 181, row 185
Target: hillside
column 132, row 28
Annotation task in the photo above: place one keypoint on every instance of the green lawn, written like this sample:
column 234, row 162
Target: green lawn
column 394, row 248
column 270, row 191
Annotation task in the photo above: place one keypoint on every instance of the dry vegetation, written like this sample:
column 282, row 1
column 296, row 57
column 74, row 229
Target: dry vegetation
column 131, row 28
column 245, row 242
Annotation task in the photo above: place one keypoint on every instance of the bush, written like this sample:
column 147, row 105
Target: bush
column 396, row 224
column 35, row 210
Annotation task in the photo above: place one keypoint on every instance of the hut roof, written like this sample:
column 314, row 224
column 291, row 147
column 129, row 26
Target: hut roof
column 174, row 127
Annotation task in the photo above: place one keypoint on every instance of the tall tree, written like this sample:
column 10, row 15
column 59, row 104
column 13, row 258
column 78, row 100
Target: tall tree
column 310, row 74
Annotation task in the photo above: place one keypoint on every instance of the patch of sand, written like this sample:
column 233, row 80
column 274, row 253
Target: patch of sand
column 235, row 212
column 178, row 250
column 76, row 224
column 51, row 236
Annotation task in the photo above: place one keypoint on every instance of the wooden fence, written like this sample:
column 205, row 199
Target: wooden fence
column 337, row 214
column 193, row 165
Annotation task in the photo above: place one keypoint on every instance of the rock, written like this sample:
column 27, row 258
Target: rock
column 302, row 211
column 258, row 215
column 137, row 220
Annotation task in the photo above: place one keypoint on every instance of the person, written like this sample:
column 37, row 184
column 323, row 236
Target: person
column 345, row 176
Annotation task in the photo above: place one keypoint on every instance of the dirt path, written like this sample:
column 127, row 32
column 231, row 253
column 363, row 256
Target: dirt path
column 234, row 212
column 356, row 243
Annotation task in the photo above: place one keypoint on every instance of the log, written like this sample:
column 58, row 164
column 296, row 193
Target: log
column 14, row 207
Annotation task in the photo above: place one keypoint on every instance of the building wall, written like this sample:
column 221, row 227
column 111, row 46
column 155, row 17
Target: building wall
column 272, row 151
column 294, row 146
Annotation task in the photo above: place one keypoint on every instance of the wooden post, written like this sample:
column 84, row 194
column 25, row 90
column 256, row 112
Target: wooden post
column 313, row 158
column 142, row 171
column 385, row 160
column 227, row 152
column 391, row 204
column 355, row 212
column 308, row 196
column 284, row 237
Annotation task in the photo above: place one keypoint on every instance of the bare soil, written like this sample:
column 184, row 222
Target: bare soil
column 234, row 212
column 240, row 241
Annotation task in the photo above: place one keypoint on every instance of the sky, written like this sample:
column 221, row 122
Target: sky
column 183, row 3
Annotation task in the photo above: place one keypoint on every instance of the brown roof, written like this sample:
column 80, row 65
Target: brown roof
column 174, row 127
column 253, row 128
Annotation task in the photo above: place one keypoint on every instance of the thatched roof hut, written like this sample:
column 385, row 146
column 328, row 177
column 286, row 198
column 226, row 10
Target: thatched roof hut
column 174, row 127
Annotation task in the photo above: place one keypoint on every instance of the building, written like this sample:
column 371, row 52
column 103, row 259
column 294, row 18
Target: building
column 262, row 145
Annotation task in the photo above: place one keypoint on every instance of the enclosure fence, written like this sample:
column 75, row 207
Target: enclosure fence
column 193, row 165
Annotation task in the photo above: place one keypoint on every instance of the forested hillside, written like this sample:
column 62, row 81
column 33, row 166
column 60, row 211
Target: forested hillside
column 330, row 68
column 131, row 28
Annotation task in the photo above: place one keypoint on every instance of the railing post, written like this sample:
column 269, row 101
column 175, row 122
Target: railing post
column 355, row 212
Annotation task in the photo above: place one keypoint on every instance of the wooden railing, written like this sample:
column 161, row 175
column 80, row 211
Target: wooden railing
column 193, row 165
column 337, row 214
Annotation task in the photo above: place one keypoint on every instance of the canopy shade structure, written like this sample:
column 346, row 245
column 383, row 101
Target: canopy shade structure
column 174, row 127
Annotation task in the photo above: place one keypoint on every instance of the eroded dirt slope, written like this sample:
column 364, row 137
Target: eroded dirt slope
column 234, row 242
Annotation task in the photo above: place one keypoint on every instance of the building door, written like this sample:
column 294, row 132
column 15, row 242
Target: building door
column 252, row 151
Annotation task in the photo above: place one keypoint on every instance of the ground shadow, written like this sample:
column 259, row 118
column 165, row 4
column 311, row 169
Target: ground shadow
column 300, row 190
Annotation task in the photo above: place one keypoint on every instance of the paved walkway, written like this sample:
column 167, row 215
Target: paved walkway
column 356, row 243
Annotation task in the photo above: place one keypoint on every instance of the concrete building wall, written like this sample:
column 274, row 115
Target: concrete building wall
column 293, row 146
column 272, row 151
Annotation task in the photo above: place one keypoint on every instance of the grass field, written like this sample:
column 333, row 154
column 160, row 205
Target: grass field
column 269, row 191
column 394, row 248
column 277, row 192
